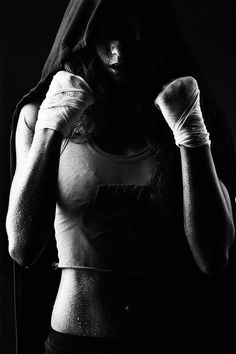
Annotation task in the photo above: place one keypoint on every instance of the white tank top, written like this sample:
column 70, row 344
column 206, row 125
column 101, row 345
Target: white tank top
column 104, row 209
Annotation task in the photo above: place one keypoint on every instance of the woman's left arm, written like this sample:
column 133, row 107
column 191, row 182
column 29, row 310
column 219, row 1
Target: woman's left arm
column 207, row 210
column 208, row 220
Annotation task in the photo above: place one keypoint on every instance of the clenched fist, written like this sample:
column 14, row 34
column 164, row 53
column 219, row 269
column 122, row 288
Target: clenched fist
column 179, row 103
column 66, row 100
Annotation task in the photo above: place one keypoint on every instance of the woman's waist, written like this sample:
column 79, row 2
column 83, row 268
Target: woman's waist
column 98, row 282
column 98, row 303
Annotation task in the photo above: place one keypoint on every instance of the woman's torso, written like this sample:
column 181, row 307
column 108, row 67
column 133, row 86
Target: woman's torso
column 114, row 279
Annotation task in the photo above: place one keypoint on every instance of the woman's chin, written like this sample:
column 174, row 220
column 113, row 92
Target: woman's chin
column 123, row 76
column 120, row 79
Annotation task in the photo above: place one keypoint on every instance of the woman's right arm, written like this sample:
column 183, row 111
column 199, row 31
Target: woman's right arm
column 32, row 201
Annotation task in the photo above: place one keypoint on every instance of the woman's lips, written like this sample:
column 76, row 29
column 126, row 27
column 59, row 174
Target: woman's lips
column 116, row 67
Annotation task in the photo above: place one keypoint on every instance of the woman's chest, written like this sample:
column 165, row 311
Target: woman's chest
column 82, row 171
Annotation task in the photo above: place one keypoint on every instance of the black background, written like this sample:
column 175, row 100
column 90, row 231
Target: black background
column 27, row 31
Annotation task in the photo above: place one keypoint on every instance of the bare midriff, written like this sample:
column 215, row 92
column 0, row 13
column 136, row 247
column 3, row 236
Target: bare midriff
column 106, row 304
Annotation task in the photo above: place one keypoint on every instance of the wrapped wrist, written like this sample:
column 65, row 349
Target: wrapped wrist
column 66, row 100
column 190, row 129
column 192, row 137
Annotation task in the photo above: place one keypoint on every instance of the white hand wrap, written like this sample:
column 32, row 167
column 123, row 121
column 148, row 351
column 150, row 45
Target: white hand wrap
column 67, row 98
column 180, row 105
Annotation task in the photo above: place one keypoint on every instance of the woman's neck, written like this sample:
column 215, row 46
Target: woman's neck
column 120, row 109
column 120, row 138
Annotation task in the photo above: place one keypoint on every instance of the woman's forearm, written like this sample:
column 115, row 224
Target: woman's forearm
column 33, row 196
column 208, row 218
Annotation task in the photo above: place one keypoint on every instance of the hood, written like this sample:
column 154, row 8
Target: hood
column 77, row 30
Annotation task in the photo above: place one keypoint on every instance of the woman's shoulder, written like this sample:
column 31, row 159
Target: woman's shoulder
column 29, row 112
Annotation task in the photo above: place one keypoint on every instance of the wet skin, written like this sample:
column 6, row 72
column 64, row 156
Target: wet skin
column 105, row 304
column 100, row 304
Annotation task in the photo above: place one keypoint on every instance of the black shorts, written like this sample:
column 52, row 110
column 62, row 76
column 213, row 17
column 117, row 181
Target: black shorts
column 61, row 343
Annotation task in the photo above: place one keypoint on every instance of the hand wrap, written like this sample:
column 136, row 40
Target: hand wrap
column 67, row 98
column 179, row 103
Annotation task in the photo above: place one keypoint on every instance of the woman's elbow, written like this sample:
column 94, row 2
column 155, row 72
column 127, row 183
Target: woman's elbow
column 16, row 249
column 213, row 268
column 18, row 257
column 17, row 244
column 22, row 254
column 213, row 259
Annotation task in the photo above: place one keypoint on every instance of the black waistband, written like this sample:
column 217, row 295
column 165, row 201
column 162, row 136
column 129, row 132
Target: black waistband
column 58, row 342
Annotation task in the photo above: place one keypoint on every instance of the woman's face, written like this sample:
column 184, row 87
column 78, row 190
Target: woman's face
column 119, row 53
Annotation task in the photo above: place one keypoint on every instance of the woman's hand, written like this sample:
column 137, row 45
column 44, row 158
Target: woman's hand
column 179, row 103
column 66, row 100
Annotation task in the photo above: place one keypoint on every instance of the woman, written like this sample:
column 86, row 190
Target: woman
column 96, row 159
